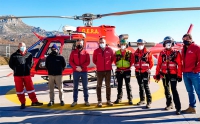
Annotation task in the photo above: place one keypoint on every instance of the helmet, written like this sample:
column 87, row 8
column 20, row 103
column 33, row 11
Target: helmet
column 141, row 41
column 168, row 38
column 123, row 41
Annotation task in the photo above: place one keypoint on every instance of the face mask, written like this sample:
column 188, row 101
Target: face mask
column 22, row 49
column 123, row 47
column 168, row 45
column 187, row 43
column 141, row 47
column 79, row 46
column 102, row 45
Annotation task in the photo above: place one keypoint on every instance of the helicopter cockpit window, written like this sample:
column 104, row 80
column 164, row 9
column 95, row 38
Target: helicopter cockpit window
column 67, row 48
column 50, row 45
column 37, row 48
column 91, row 46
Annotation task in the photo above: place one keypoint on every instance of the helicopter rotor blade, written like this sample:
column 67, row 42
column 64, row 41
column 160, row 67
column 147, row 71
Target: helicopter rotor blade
column 150, row 10
column 16, row 17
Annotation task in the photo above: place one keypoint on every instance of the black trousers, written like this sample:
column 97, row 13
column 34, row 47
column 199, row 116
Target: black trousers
column 143, row 82
column 171, row 79
column 126, row 75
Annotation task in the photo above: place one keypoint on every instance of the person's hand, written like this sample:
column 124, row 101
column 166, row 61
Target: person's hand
column 157, row 78
column 149, row 71
column 179, row 79
column 78, row 68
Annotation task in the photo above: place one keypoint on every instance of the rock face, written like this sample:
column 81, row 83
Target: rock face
column 13, row 31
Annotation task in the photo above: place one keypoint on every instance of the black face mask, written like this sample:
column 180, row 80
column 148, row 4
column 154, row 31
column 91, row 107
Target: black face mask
column 79, row 46
column 187, row 43
column 54, row 52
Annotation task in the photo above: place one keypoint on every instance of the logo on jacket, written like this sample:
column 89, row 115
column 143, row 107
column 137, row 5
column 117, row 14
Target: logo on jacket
column 190, row 51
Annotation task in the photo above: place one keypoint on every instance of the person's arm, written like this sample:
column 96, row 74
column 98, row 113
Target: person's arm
column 179, row 64
column 112, row 55
column 159, row 64
column 11, row 65
column 150, row 58
column 94, row 58
column 71, row 61
column 31, row 61
column 197, row 67
column 63, row 62
column 132, row 59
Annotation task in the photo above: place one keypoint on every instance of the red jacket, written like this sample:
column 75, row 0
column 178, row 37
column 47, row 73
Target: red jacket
column 174, row 66
column 103, row 59
column 79, row 58
column 140, row 62
column 191, row 61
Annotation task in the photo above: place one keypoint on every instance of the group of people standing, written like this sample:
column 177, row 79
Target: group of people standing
column 171, row 64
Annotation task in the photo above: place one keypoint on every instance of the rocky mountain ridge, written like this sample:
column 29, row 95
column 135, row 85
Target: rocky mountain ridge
column 13, row 31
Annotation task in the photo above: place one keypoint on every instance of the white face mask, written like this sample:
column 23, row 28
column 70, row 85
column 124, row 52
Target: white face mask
column 102, row 45
column 141, row 47
column 23, row 48
column 123, row 47
column 168, row 45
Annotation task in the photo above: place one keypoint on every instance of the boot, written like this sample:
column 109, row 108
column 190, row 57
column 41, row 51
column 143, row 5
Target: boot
column 109, row 103
column 50, row 103
column 117, row 101
column 141, row 102
column 130, row 102
column 169, row 107
column 148, row 105
column 62, row 103
column 99, row 104
column 178, row 112
column 22, row 106
column 36, row 104
column 73, row 104
column 190, row 110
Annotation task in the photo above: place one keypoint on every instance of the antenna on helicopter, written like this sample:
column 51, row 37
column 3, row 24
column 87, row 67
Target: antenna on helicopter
column 68, row 30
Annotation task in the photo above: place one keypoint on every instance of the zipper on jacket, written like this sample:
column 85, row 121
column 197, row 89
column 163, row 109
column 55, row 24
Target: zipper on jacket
column 103, row 58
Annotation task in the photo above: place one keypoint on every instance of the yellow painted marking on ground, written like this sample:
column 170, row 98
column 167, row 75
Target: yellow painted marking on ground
column 159, row 94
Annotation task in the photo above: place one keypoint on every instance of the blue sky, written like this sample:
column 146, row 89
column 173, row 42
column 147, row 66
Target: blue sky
column 152, row 27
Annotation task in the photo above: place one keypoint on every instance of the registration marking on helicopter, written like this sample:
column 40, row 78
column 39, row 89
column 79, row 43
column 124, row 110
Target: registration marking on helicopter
column 11, row 95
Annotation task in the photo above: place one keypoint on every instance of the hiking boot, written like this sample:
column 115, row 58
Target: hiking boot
column 62, row 103
column 117, row 101
column 109, row 103
column 148, row 105
column 141, row 102
column 178, row 112
column 99, row 104
column 22, row 106
column 36, row 104
column 190, row 110
column 169, row 107
column 50, row 103
column 73, row 104
column 87, row 104
column 130, row 102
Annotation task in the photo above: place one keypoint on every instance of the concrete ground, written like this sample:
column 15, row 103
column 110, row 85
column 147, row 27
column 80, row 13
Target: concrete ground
column 122, row 113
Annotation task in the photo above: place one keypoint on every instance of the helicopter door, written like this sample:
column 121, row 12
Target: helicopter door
column 90, row 46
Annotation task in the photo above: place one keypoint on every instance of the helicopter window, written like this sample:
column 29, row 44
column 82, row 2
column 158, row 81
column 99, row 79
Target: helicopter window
column 91, row 46
column 36, row 48
column 67, row 48
column 50, row 45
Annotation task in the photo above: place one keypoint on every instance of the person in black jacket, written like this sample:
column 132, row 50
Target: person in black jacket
column 21, row 62
column 55, row 65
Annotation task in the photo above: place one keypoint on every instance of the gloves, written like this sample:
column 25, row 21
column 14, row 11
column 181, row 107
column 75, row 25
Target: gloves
column 157, row 78
column 149, row 71
column 179, row 79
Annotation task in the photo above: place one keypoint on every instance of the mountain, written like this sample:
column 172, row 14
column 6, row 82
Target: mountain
column 13, row 31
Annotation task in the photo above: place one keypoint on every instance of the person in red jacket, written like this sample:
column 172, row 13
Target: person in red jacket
column 143, row 63
column 103, row 58
column 191, row 71
column 169, row 68
column 79, row 60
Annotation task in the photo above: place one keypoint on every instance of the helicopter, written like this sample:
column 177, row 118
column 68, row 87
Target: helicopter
column 91, row 35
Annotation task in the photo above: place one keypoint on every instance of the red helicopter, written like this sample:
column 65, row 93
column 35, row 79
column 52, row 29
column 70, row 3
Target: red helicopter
column 91, row 35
